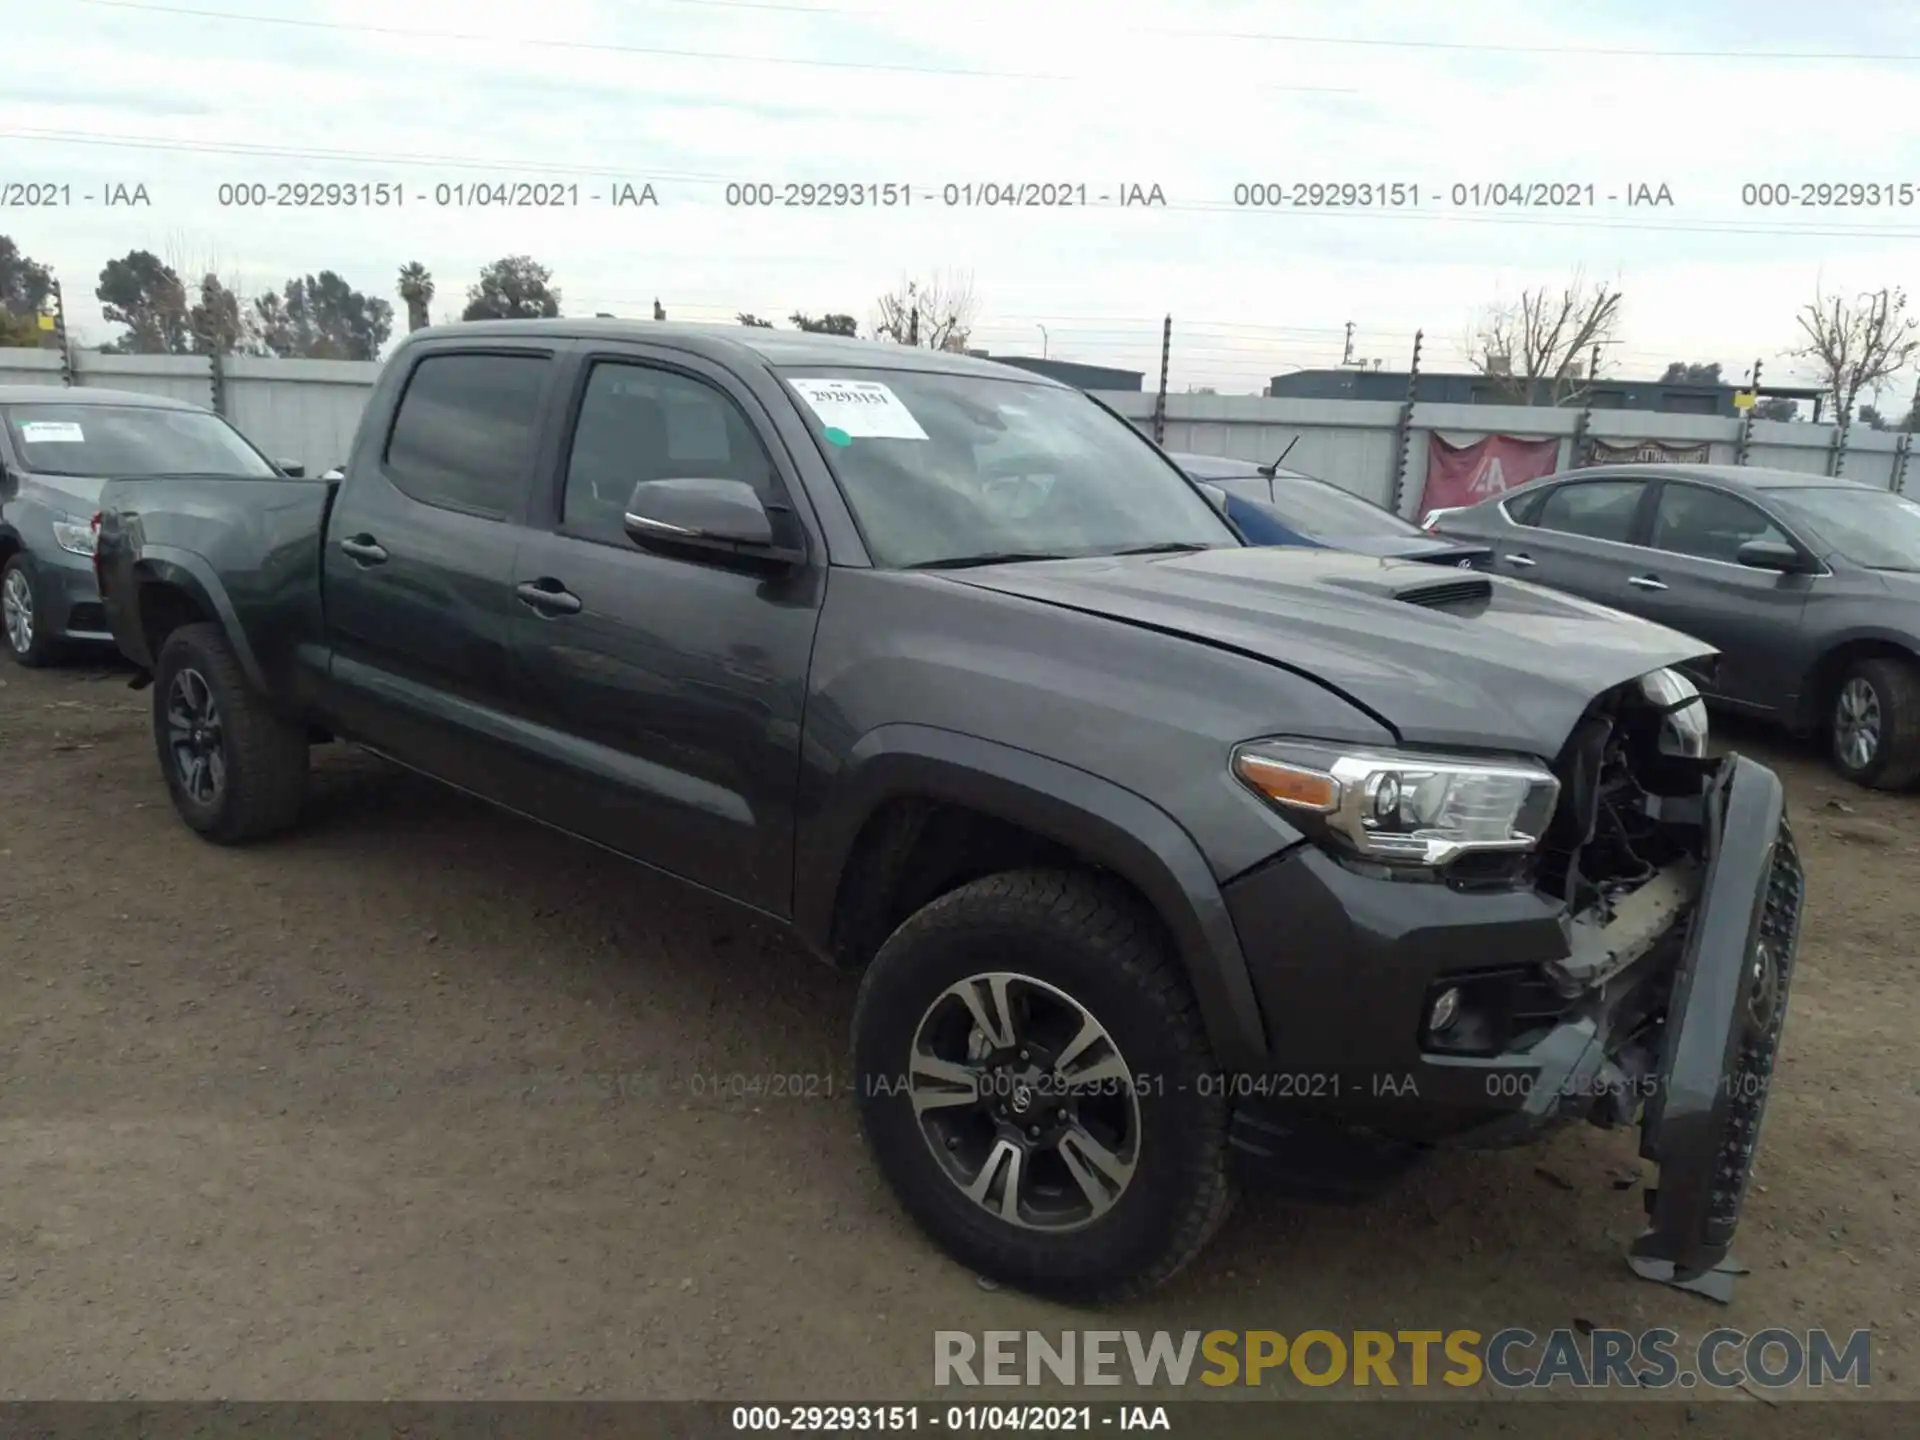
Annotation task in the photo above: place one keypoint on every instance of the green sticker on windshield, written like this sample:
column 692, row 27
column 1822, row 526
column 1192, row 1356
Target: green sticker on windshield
column 837, row 436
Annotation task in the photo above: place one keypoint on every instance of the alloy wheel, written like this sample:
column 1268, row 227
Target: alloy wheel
column 1856, row 723
column 195, row 737
column 16, row 603
column 1025, row 1101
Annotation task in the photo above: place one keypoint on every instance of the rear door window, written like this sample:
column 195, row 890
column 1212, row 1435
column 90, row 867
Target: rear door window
column 1597, row 509
column 465, row 433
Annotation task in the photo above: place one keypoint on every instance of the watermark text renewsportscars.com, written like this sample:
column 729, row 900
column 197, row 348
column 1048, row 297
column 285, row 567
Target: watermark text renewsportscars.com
column 1514, row 1358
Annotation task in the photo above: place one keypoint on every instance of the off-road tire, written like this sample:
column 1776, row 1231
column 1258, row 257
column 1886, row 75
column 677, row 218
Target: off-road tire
column 1093, row 939
column 265, row 756
column 1896, row 761
column 45, row 648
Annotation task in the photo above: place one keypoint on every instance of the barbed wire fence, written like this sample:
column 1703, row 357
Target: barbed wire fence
column 1237, row 357
column 1244, row 358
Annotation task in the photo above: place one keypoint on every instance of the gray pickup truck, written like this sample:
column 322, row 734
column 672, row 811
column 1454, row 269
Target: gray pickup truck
column 1165, row 861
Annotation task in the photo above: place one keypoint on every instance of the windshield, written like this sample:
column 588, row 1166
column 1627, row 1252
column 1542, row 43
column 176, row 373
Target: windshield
column 947, row 468
column 1319, row 508
column 109, row 440
column 1872, row 528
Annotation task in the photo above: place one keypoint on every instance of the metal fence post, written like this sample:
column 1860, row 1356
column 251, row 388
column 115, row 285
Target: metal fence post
column 1404, row 436
column 217, row 380
column 1743, row 448
column 1160, row 400
column 60, row 336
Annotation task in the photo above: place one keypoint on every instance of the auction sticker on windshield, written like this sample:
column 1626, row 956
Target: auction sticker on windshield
column 51, row 432
column 859, row 410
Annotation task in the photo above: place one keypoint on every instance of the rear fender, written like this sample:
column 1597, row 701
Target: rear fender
column 168, row 565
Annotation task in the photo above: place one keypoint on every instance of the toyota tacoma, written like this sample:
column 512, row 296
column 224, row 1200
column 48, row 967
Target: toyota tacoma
column 1165, row 862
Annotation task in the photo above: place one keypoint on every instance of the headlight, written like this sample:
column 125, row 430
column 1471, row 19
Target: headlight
column 74, row 535
column 1683, row 731
column 1400, row 806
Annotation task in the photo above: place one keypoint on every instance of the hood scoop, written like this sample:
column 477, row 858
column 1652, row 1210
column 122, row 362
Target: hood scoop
column 1466, row 592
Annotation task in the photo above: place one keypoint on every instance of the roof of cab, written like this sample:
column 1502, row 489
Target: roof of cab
column 89, row 395
column 737, row 344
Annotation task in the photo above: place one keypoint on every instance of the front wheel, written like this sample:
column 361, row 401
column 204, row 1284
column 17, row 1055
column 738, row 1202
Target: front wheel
column 1874, row 725
column 236, row 771
column 1032, row 1077
column 28, row 638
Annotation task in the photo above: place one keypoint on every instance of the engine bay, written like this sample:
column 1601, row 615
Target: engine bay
column 1633, row 777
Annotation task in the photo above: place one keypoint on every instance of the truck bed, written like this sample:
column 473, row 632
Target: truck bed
column 246, row 551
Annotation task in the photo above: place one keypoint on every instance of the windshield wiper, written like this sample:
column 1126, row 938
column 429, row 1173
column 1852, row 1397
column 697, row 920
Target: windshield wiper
column 1001, row 557
column 1164, row 547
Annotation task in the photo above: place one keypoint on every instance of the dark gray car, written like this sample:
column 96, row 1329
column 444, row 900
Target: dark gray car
column 1808, row 586
column 58, row 446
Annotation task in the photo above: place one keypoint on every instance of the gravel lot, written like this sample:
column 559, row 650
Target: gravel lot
column 426, row 1101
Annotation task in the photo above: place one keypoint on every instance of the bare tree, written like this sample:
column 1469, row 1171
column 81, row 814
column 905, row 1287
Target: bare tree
column 937, row 313
column 1539, row 346
column 1858, row 347
column 217, row 319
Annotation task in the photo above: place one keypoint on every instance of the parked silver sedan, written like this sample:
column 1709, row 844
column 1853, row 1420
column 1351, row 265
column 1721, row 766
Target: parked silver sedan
column 1808, row 586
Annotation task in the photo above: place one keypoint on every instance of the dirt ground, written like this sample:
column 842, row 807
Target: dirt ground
column 423, row 1101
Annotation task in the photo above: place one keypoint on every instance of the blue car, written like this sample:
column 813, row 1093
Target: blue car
column 1272, row 506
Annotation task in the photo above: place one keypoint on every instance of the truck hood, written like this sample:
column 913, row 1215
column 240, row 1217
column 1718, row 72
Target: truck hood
column 1443, row 658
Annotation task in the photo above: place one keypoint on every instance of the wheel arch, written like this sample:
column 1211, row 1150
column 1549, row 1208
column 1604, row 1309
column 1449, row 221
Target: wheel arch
column 175, row 588
column 854, row 855
column 1841, row 655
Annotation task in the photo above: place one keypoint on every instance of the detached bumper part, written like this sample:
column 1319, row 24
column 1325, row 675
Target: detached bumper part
column 1722, row 1036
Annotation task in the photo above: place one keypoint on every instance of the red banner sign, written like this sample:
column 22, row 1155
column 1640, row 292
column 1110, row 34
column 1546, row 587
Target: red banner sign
column 1468, row 474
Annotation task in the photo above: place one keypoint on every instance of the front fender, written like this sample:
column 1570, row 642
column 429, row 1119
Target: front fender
column 1091, row 815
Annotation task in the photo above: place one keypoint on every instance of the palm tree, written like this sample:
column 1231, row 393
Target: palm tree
column 416, row 289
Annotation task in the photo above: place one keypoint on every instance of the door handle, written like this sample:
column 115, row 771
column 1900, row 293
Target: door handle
column 549, row 597
column 1646, row 582
column 364, row 550
column 1526, row 562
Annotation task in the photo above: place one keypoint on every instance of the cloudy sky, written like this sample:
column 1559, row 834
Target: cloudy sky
column 1195, row 98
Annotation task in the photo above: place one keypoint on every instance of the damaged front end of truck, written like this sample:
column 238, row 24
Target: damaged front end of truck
column 1683, row 892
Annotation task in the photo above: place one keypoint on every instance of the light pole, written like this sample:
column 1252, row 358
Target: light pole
column 1043, row 339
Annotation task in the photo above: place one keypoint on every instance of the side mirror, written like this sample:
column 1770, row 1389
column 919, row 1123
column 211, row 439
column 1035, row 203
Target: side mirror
column 1216, row 495
column 1772, row 555
column 292, row 469
column 726, row 517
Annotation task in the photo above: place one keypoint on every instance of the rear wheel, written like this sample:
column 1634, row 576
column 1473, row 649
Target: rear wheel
column 236, row 771
column 22, row 618
column 1034, row 1081
column 1874, row 724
